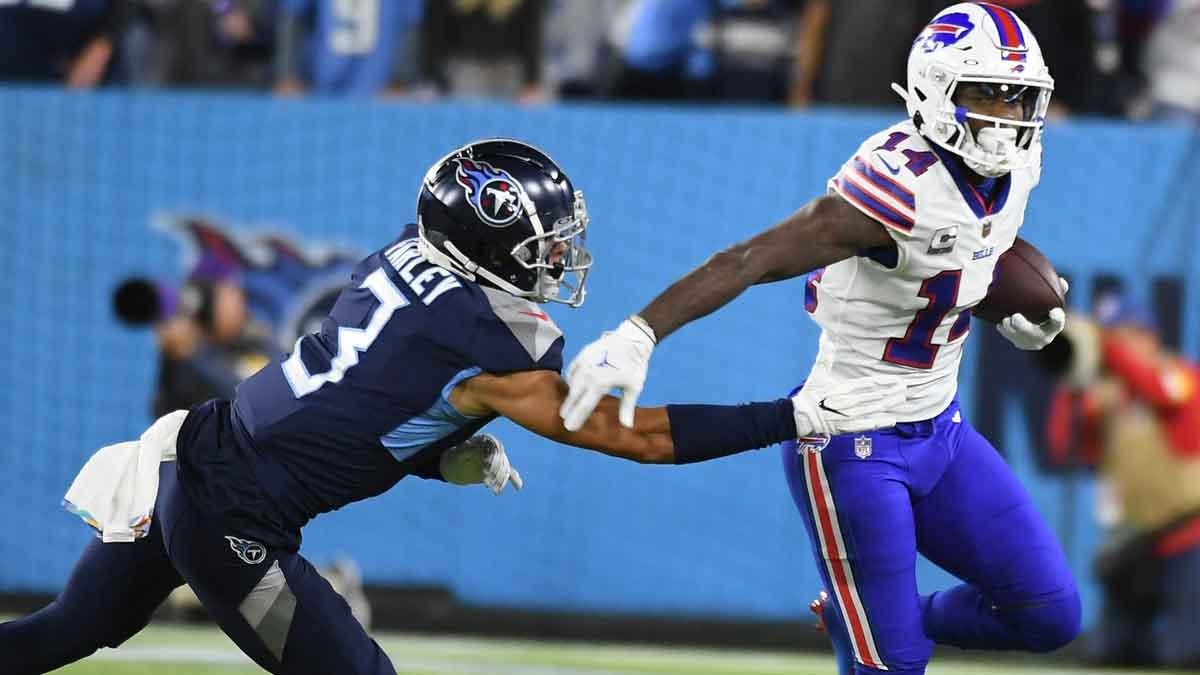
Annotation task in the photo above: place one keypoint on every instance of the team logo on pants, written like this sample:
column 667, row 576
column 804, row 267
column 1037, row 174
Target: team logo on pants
column 251, row 552
column 862, row 447
column 807, row 444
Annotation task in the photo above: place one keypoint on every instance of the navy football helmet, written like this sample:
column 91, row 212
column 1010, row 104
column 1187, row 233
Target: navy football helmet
column 501, row 213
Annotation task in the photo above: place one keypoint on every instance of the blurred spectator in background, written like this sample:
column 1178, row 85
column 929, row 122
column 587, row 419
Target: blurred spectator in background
column 577, row 50
column 71, row 42
column 207, row 343
column 488, row 48
column 724, row 50
column 746, row 51
column 359, row 48
column 654, row 40
column 1132, row 407
column 203, row 43
column 1172, row 63
column 1066, row 34
column 856, row 51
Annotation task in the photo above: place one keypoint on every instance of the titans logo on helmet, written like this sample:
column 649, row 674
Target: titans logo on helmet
column 492, row 192
column 945, row 30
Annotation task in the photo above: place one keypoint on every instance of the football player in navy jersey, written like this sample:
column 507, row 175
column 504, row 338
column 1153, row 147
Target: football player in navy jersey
column 437, row 334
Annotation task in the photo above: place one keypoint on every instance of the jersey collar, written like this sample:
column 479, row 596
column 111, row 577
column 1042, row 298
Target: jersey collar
column 980, row 205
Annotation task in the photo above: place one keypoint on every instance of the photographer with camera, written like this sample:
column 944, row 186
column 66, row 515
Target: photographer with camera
column 206, row 340
column 1131, row 407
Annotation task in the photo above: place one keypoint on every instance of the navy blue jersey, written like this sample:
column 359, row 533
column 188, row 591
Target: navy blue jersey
column 362, row 403
column 40, row 38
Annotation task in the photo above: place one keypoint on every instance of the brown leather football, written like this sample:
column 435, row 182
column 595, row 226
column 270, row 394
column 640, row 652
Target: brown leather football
column 1024, row 282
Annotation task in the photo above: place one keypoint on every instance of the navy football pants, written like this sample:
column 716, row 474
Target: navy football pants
column 277, row 608
column 871, row 502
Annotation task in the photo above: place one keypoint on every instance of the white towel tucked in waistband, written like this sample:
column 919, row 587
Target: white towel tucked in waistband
column 116, row 489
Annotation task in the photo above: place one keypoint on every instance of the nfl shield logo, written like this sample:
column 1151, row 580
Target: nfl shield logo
column 862, row 447
column 987, row 229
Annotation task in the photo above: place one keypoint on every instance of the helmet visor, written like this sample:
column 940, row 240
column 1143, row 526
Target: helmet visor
column 1007, row 101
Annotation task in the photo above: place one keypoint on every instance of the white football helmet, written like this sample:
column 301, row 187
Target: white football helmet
column 985, row 44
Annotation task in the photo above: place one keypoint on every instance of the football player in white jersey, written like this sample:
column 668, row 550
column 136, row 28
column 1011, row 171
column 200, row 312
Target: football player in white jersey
column 897, row 253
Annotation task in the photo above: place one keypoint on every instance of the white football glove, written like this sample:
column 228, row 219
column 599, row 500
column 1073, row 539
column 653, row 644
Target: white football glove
column 479, row 459
column 852, row 406
column 619, row 359
column 1030, row 336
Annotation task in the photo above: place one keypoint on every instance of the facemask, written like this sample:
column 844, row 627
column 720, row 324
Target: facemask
column 993, row 151
column 548, row 285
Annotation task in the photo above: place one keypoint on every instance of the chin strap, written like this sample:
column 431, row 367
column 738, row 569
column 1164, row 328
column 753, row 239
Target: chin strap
column 458, row 263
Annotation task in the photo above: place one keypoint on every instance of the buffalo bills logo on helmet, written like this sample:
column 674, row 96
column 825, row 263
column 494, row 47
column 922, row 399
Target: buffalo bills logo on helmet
column 492, row 192
column 945, row 30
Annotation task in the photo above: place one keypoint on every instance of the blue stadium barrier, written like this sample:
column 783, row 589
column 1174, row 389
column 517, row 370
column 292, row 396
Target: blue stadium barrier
column 82, row 176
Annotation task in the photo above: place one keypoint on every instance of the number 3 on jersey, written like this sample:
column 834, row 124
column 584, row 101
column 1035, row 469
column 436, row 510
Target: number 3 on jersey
column 351, row 341
column 916, row 349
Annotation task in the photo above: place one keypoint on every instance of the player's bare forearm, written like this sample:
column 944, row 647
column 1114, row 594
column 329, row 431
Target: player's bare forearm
column 821, row 233
column 532, row 399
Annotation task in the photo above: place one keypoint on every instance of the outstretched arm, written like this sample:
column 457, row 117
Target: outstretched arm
column 532, row 398
column 821, row 233
column 679, row 434
column 826, row 230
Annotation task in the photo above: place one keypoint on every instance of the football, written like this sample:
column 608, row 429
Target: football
column 1024, row 282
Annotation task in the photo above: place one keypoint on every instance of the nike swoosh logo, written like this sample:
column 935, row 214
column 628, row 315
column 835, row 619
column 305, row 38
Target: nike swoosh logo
column 883, row 161
column 828, row 409
column 537, row 315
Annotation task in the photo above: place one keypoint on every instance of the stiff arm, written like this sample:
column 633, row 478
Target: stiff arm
column 676, row 433
column 824, row 231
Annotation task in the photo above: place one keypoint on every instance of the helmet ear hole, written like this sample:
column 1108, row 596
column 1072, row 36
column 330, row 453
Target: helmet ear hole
column 920, row 94
column 436, row 238
column 526, row 253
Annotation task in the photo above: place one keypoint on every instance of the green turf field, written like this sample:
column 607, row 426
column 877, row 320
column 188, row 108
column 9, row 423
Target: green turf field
column 204, row 651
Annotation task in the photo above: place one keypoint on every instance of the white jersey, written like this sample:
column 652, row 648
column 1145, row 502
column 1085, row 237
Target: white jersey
column 906, row 311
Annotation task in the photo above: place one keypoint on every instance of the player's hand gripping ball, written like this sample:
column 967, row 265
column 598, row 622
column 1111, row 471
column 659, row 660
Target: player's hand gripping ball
column 1026, row 298
column 1024, row 283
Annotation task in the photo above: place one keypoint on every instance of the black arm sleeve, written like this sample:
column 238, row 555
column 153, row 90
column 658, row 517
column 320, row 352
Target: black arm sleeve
column 703, row 432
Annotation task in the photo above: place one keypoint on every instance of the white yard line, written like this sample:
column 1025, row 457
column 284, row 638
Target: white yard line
column 174, row 654
column 454, row 655
column 232, row 657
